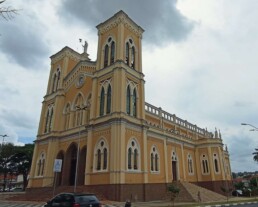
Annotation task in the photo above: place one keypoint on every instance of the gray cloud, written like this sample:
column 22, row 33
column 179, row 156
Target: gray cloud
column 14, row 117
column 23, row 46
column 162, row 21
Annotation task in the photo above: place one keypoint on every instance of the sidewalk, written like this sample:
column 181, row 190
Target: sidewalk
column 231, row 201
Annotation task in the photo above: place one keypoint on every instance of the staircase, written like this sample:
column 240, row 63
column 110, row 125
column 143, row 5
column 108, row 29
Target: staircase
column 189, row 193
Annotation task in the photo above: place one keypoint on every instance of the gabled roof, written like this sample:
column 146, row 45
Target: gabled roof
column 120, row 15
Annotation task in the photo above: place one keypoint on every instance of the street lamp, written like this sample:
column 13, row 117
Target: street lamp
column 254, row 127
column 5, row 135
column 78, row 108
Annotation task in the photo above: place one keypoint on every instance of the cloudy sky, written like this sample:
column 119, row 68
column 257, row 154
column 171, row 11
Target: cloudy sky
column 199, row 60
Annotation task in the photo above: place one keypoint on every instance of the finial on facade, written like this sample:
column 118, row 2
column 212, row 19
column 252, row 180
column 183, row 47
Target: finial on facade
column 226, row 148
column 216, row 133
column 219, row 134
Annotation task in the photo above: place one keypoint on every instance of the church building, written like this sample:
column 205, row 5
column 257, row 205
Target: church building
column 95, row 120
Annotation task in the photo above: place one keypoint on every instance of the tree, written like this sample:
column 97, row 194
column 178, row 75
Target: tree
column 239, row 185
column 255, row 155
column 174, row 190
column 7, row 12
column 6, row 152
column 16, row 160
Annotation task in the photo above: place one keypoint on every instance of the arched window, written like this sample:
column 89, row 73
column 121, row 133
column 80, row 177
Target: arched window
column 135, row 160
column 41, row 165
column 130, row 53
column 106, row 56
column 127, row 53
column 152, row 162
column 102, row 102
column 128, row 100
column 54, row 83
column 105, row 159
column 129, row 158
column 78, row 114
column 58, row 79
column 112, row 57
column 134, row 102
column 156, row 163
column 133, row 154
column 55, row 80
column 133, row 58
column 67, row 116
column 101, row 156
column 50, row 119
column 205, row 166
column 46, row 122
column 190, row 164
column 216, row 164
column 109, row 100
column 99, row 159
column 154, row 159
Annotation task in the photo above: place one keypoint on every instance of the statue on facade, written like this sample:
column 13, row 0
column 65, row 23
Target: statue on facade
column 85, row 47
column 216, row 133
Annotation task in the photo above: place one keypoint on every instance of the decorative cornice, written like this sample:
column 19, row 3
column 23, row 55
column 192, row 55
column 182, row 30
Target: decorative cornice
column 120, row 18
column 68, row 52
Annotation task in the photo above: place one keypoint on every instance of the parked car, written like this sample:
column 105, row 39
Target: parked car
column 74, row 200
column 237, row 193
column 16, row 189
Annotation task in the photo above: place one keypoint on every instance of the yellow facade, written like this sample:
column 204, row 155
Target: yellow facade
column 125, row 144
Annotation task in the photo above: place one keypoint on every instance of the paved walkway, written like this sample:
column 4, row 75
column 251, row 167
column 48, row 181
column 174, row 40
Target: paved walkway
column 232, row 201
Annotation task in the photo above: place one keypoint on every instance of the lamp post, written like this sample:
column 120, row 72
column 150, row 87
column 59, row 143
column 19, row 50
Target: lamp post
column 254, row 128
column 78, row 108
column 5, row 135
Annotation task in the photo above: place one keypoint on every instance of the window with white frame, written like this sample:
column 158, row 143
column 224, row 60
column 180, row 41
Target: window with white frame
column 41, row 165
column 133, row 156
column 154, row 159
column 190, row 164
column 101, row 156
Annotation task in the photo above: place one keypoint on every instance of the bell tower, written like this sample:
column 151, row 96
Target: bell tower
column 118, row 81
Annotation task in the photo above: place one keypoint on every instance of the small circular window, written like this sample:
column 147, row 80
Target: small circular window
column 80, row 81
